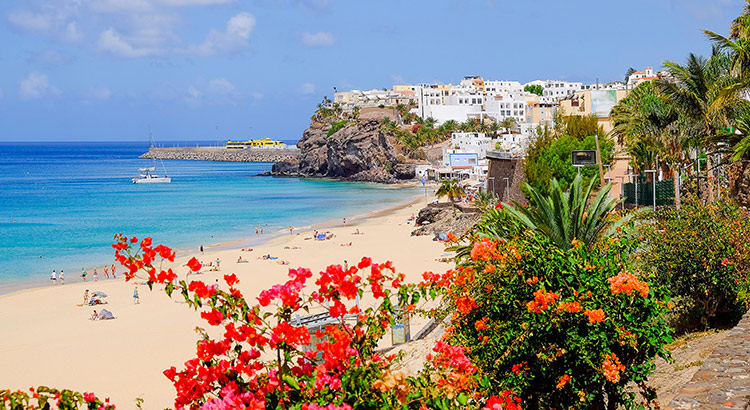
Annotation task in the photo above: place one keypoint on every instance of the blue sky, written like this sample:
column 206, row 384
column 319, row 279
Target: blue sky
column 106, row 70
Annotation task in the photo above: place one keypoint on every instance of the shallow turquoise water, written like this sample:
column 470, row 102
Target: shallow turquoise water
column 64, row 201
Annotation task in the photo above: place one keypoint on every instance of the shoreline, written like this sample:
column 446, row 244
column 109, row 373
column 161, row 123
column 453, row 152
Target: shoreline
column 16, row 285
column 50, row 341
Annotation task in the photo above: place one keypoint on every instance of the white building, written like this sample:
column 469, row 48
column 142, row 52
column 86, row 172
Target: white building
column 640, row 76
column 557, row 89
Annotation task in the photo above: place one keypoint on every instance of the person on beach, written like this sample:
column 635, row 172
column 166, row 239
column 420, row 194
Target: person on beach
column 86, row 297
column 94, row 316
column 202, row 248
column 261, row 230
column 291, row 230
column 346, row 265
column 256, row 229
column 136, row 297
column 53, row 277
column 83, row 274
column 344, row 221
column 62, row 277
column 218, row 262
column 96, row 275
column 106, row 271
column 113, row 271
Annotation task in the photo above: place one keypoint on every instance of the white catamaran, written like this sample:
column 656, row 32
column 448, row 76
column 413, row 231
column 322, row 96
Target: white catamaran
column 147, row 176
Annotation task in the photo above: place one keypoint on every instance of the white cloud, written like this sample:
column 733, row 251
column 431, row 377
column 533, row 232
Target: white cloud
column 96, row 94
column 72, row 33
column 307, row 89
column 322, row 39
column 111, row 41
column 29, row 21
column 218, row 91
column 235, row 37
column 36, row 85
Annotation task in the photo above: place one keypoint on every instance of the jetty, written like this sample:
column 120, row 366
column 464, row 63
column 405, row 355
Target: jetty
column 260, row 154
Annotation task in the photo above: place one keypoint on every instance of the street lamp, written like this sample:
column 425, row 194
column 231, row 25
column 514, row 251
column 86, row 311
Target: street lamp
column 609, row 173
column 493, row 186
column 507, row 188
column 653, row 182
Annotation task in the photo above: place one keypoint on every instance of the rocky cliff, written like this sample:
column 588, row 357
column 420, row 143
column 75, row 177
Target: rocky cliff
column 356, row 152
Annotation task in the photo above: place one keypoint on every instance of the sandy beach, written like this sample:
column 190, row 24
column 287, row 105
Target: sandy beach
column 48, row 339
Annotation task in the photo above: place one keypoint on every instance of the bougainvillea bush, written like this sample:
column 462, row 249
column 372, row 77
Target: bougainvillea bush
column 702, row 253
column 44, row 398
column 562, row 329
column 262, row 360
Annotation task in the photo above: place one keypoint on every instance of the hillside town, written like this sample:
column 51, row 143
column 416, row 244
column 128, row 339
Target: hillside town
column 520, row 110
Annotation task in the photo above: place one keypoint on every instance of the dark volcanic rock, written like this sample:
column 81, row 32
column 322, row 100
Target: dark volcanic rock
column 357, row 152
column 439, row 218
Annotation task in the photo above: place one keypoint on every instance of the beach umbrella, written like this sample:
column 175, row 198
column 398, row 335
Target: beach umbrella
column 99, row 293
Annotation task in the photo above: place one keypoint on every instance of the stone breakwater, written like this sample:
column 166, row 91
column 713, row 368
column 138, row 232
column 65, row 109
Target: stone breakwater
column 221, row 154
column 723, row 382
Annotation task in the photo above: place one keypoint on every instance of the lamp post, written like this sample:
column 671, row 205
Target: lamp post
column 493, row 187
column 507, row 188
column 609, row 173
column 622, row 190
column 653, row 182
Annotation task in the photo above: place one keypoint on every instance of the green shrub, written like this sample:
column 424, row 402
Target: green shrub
column 702, row 253
column 563, row 329
column 336, row 126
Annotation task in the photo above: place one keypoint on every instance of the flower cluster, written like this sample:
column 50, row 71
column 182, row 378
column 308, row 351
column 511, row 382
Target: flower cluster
column 45, row 397
column 627, row 283
column 612, row 368
column 595, row 315
column 542, row 300
column 265, row 358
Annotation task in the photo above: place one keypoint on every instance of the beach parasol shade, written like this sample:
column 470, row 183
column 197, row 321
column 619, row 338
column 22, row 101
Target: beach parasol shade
column 101, row 294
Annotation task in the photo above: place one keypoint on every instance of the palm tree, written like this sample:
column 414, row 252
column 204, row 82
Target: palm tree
column 452, row 189
column 508, row 123
column 704, row 93
column 564, row 218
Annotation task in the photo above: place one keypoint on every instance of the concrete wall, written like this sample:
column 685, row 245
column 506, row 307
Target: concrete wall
column 221, row 154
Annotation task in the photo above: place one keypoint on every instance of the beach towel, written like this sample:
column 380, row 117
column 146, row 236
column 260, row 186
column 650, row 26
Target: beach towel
column 105, row 315
column 321, row 236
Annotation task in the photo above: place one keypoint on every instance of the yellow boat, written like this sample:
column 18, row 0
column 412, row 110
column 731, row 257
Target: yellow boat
column 253, row 143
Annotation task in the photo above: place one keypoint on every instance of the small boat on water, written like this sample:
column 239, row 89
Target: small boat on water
column 146, row 177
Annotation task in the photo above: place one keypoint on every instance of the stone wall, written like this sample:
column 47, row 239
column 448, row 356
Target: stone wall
column 500, row 168
column 723, row 382
column 221, row 154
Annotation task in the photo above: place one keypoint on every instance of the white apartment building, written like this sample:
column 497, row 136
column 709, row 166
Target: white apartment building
column 500, row 87
column 557, row 89
column 640, row 76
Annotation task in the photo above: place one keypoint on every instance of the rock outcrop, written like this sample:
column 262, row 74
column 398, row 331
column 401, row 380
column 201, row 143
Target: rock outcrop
column 442, row 218
column 356, row 152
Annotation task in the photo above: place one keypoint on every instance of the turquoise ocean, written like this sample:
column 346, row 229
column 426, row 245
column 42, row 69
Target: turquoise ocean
column 61, row 203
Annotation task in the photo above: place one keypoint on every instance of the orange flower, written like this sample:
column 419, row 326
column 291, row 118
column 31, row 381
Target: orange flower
column 451, row 237
column 542, row 300
column 595, row 316
column 489, row 268
column 563, row 381
column 612, row 368
column 572, row 307
column 483, row 250
column 481, row 324
column 627, row 283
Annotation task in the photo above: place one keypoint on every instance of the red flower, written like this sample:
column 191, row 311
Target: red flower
column 194, row 265
column 231, row 279
column 499, row 205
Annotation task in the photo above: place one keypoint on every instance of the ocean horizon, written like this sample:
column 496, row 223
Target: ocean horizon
column 61, row 204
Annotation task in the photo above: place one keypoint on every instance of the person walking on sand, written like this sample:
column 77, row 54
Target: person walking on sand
column 344, row 221
column 62, row 277
column 83, row 274
column 86, row 297
column 291, row 230
column 113, row 272
column 96, row 275
column 53, row 277
column 136, row 297
column 106, row 271
column 346, row 265
column 202, row 248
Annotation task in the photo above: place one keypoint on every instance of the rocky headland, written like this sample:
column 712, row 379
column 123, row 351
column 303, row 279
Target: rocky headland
column 353, row 150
